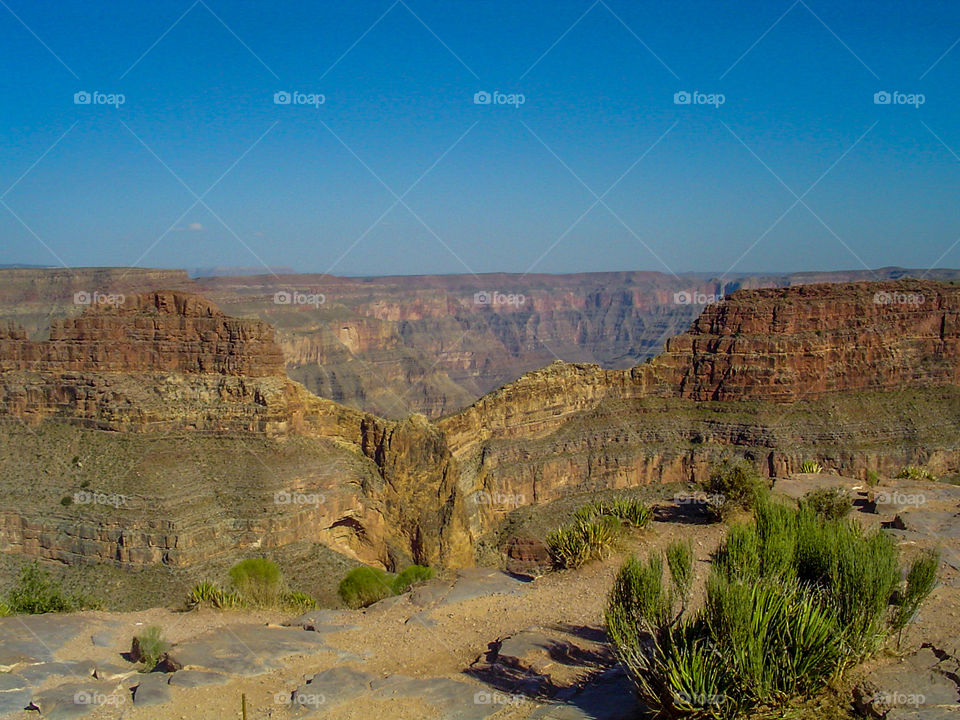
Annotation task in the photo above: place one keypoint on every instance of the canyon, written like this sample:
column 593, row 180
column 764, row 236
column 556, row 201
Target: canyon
column 162, row 432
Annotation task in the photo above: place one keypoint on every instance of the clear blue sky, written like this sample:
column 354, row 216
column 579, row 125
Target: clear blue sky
column 305, row 186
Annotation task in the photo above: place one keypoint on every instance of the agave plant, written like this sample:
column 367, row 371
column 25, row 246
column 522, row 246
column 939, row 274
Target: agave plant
column 811, row 466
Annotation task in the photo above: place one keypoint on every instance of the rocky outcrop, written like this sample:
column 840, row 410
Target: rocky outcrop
column 788, row 344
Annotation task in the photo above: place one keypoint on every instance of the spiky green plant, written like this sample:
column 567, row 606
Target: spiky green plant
column 916, row 472
column 811, row 466
column 635, row 513
column 298, row 601
column 680, row 563
column 149, row 646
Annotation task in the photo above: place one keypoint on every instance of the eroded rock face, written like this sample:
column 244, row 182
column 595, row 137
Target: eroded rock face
column 793, row 343
column 417, row 490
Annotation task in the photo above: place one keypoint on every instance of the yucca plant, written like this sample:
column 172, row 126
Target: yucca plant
column 916, row 472
column 811, row 466
column 679, row 556
column 299, row 601
column 202, row 593
column 635, row 513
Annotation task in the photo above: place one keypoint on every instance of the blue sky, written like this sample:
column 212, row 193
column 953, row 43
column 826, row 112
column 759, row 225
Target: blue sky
column 598, row 169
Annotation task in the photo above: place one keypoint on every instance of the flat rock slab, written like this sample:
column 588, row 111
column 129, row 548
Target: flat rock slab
column 244, row 650
column 197, row 678
column 152, row 690
column 481, row 582
column 13, row 701
column 12, row 681
column 35, row 638
column 451, row 699
column 609, row 698
column 37, row 674
column 918, row 686
column 73, row 700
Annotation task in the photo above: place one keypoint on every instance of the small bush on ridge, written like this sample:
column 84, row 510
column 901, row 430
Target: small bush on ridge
column 148, row 647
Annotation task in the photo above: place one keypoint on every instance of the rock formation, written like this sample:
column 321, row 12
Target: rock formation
column 860, row 376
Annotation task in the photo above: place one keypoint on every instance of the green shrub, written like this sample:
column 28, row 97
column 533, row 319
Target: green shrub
column 36, row 593
column 66, row 501
column 364, row 586
column 203, row 593
column 828, row 503
column 733, row 485
column 680, row 562
column 793, row 598
column 921, row 579
column 5, row 610
column 258, row 581
column 873, row 478
column 410, row 575
column 148, row 647
column 811, row 466
column 299, row 601
column 916, row 472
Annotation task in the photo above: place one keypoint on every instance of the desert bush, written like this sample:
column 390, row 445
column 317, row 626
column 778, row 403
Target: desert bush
column 203, row 593
column 364, row 586
column 410, row 575
column 829, row 503
column 792, row 599
column 299, row 601
column 811, row 466
column 36, row 593
column 732, row 485
column 921, row 579
column 915, row 472
column 258, row 581
column 148, row 647
column 680, row 563
column 873, row 478
column 5, row 610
